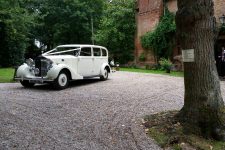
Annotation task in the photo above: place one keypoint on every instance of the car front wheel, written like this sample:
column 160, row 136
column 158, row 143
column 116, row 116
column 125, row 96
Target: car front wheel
column 62, row 81
column 105, row 75
column 26, row 83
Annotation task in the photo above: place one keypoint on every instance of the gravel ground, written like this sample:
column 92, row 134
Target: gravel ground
column 89, row 115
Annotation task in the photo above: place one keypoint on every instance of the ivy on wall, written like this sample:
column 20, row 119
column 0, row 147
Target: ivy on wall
column 161, row 40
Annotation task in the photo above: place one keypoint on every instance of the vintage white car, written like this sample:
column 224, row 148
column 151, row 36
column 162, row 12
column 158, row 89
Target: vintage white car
column 63, row 64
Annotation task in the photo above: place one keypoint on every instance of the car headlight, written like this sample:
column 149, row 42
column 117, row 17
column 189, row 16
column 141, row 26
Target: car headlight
column 30, row 62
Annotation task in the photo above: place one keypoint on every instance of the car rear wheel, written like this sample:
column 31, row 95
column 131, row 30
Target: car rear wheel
column 62, row 81
column 26, row 83
column 105, row 75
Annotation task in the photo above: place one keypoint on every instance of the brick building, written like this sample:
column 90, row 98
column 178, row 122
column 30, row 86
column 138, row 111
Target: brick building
column 148, row 13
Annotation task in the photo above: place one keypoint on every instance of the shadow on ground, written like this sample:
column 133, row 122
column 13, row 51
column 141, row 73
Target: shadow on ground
column 72, row 84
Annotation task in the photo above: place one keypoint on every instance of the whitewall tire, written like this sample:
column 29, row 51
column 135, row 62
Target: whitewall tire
column 105, row 75
column 62, row 81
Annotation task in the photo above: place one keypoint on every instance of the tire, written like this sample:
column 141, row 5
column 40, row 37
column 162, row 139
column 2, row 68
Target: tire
column 62, row 81
column 105, row 75
column 26, row 83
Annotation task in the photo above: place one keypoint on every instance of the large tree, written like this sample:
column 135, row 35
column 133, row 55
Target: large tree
column 52, row 22
column 67, row 21
column 15, row 23
column 203, row 104
column 117, row 29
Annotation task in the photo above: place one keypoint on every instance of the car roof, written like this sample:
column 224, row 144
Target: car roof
column 81, row 45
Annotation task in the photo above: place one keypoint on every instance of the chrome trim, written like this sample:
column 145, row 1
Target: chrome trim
column 37, row 80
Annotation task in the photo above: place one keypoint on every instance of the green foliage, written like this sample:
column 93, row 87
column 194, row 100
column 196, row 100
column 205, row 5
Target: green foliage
column 54, row 22
column 67, row 21
column 14, row 29
column 142, row 57
column 49, row 21
column 153, row 67
column 169, row 133
column 117, row 30
column 166, row 64
column 161, row 40
column 160, row 138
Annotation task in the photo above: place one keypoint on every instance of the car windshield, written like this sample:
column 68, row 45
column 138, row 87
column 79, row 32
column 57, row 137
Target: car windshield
column 65, row 51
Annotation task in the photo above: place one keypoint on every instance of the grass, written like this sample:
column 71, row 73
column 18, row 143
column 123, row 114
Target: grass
column 169, row 133
column 173, row 73
column 6, row 75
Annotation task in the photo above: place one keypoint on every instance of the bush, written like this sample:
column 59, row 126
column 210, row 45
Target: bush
column 152, row 67
column 166, row 64
column 148, row 67
column 116, row 30
column 142, row 57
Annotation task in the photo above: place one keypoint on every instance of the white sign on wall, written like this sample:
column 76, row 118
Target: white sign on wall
column 188, row 55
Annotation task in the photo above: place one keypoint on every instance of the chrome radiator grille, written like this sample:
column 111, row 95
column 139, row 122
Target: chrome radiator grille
column 41, row 64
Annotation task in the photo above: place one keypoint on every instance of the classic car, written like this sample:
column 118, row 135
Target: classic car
column 63, row 64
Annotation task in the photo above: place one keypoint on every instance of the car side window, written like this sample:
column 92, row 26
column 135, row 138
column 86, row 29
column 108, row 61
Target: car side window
column 97, row 51
column 104, row 53
column 85, row 51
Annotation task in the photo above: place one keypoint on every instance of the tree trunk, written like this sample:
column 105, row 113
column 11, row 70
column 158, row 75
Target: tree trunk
column 203, row 104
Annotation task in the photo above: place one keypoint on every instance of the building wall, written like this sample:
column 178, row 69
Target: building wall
column 148, row 15
column 172, row 5
column 219, row 8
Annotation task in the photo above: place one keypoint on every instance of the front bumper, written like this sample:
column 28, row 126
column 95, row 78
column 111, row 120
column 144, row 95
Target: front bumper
column 34, row 80
column 23, row 73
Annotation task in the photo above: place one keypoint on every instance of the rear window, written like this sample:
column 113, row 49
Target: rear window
column 85, row 51
column 104, row 53
column 97, row 51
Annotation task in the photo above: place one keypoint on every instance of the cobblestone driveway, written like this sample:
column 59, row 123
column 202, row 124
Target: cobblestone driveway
column 90, row 115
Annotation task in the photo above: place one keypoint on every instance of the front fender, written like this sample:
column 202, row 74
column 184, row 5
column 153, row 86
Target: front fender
column 56, row 68
column 24, row 71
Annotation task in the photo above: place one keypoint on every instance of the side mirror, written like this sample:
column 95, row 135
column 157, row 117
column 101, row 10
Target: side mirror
column 30, row 62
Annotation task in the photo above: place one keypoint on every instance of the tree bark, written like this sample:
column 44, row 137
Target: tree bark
column 203, row 104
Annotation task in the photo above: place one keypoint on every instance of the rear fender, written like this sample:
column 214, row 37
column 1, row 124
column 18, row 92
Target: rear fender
column 103, row 68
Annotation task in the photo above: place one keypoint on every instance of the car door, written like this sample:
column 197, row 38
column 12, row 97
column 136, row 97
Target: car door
column 85, row 62
column 97, row 60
